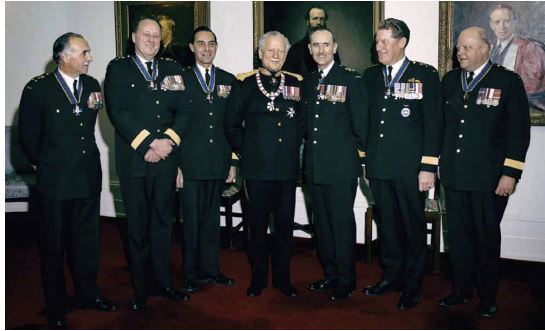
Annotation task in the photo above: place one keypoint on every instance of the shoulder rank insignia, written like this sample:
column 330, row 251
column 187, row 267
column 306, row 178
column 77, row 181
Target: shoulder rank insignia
column 421, row 64
column 299, row 77
column 244, row 75
column 37, row 78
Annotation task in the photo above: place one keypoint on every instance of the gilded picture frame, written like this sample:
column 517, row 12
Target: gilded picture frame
column 186, row 15
column 344, row 17
column 454, row 16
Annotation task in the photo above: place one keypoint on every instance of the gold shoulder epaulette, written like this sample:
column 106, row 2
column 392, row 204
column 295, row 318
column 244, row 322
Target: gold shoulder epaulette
column 244, row 75
column 348, row 68
column 299, row 77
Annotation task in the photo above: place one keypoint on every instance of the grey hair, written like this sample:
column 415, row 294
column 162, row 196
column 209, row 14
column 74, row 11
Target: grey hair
column 264, row 37
column 62, row 45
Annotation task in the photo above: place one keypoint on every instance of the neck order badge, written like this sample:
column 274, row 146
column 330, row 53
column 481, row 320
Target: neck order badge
column 469, row 85
column 207, row 88
column 149, row 78
column 74, row 100
column 389, row 83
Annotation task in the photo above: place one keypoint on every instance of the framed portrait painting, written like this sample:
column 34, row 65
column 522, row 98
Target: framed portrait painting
column 352, row 22
column 517, row 39
column 177, row 19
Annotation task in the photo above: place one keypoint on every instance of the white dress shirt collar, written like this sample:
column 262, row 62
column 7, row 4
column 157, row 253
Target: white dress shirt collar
column 203, row 70
column 505, row 42
column 397, row 66
column 327, row 69
column 69, row 80
column 478, row 70
column 143, row 61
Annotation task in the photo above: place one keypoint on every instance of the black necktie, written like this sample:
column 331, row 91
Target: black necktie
column 321, row 76
column 150, row 69
column 75, row 86
column 470, row 77
column 389, row 77
column 207, row 77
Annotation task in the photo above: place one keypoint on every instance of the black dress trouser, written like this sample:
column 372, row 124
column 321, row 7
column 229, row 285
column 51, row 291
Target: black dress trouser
column 401, row 225
column 70, row 226
column 149, row 206
column 266, row 198
column 200, row 205
column 335, row 226
column 474, row 238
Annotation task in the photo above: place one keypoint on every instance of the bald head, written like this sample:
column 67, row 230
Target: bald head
column 473, row 48
column 477, row 32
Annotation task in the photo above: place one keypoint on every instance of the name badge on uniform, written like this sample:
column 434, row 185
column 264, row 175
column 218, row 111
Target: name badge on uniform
column 291, row 93
column 335, row 93
column 173, row 83
column 95, row 101
column 489, row 97
column 411, row 90
column 223, row 90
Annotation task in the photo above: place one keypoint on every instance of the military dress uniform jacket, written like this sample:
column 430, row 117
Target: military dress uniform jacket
column 267, row 142
column 336, row 128
column 140, row 115
column 299, row 59
column 484, row 138
column 58, row 142
column 205, row 153
column 404, row 130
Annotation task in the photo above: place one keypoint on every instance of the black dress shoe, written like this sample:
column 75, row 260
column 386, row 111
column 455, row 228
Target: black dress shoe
column 174, row 295
column 137, row 303
column 219, row 279
column 254, row 291
column 488, row 311
column 322, row 285
column 288, row 290
column 190, row 286
column 100, row 304
column 57, row 324
column 408, row 300
column 454, row 299
column 381, row 288
column 340, row 295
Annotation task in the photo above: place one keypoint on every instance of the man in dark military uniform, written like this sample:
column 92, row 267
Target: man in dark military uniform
column 57, row 116
column 299, row 58
column 143, row 94
column 486, row 136
column 336, row 113
column 264, row 126
column 402, row 157
column 204, row 162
